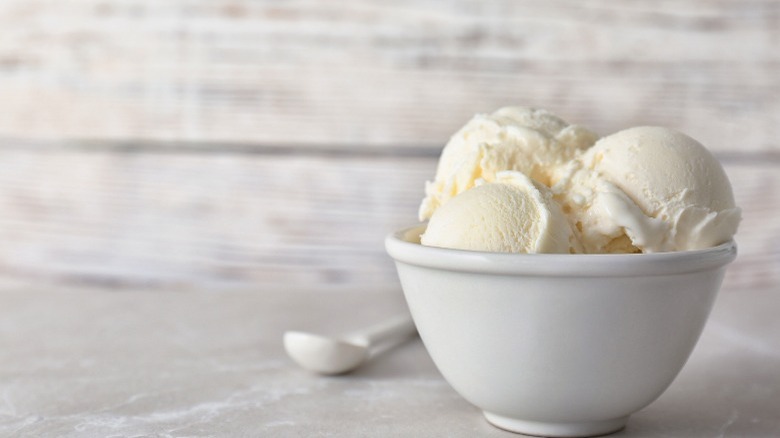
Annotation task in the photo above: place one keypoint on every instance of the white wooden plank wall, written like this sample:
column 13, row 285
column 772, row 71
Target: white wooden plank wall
column 244, row 143
column 173, row 220
column 371, row 71
column 267, row 220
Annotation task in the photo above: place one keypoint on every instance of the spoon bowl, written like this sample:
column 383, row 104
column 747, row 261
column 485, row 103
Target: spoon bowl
column 324, row 355
column 327, row 355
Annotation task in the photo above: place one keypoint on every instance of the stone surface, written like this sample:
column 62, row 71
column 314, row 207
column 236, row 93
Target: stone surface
column 97, row 362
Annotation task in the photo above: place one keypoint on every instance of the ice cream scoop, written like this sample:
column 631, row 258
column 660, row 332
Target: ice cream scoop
column 512, row 214
column 531, row 141
column 648, row 189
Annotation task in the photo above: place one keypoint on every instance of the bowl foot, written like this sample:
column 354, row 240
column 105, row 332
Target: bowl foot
column 545, row 429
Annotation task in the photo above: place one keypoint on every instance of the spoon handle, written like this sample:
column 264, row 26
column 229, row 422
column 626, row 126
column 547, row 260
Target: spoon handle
column 392, row 331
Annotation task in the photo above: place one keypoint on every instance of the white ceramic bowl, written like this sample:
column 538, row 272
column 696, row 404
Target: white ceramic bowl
column 558, row 344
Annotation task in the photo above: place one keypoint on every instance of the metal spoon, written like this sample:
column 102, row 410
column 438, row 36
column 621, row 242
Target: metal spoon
column 326, row 355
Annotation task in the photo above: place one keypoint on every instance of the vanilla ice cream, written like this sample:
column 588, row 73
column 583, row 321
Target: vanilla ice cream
column 647, row 189
column 530, row 141
column 523, row 180
column 512, row 214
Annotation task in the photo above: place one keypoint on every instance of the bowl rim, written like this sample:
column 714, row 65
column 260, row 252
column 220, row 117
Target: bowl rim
column 403, row 249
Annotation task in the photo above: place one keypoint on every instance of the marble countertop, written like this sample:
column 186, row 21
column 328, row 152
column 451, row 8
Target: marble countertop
column 101, row 362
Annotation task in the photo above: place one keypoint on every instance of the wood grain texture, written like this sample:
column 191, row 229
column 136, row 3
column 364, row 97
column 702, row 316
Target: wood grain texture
column 264, row 143
column 270, row 221
column 168, row 219
column 367, row 72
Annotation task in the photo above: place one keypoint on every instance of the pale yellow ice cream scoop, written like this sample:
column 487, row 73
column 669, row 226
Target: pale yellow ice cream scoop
column 531, row 141
column 512, row 214
column 647, row 188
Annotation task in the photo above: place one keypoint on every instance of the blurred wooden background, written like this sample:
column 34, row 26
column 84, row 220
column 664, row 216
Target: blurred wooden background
column 218, row 143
